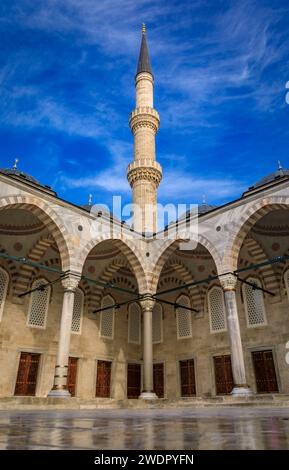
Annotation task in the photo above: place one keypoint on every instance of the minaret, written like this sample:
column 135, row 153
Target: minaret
column 144, row 173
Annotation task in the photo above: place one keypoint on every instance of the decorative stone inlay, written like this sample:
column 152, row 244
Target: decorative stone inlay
column 275, row 247
column 91, row 269
column 17, row 246
column 228, row 282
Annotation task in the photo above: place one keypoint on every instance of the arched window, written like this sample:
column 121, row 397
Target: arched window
column 254, row 303
column 4, row 281
column 107, row 318
column 286, row 280
column 183, row 317
column 38, row 305
column 217, row 311
column 77, row 311
column 134, row 323
column 157, row 323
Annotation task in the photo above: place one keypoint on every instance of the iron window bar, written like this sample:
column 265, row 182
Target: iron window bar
column 41, row 287
column 64, row 273
column 22, row 260
column 175, row 304
column 254, row 286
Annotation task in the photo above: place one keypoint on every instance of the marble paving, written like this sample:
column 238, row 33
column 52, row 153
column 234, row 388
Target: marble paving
column 201, row 428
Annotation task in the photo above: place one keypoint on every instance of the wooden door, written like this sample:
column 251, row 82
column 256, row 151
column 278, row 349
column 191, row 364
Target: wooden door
column 72, row 375
column 103, row 379
column 27, row 374
column 265, row 373
column 159, row 379
column 223, row 375
column 187, row 375
column 133, row 380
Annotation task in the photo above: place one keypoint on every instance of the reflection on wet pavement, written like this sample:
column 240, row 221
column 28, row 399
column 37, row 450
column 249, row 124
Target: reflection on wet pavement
column 203, row 428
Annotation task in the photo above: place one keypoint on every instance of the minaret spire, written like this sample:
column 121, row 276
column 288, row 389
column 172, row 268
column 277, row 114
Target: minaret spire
column 144, row 173
column 144, row 60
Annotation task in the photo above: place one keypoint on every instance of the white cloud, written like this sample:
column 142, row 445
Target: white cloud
column 184, row 185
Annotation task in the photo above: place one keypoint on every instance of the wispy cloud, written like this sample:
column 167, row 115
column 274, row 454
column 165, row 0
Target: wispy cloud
column 67, row 69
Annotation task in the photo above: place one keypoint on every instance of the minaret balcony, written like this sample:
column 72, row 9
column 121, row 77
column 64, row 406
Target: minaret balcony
column 144, row 169
column 144, row 116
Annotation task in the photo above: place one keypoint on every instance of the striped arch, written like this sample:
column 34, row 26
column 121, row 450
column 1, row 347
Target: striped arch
column 46, row 214
column 106, row 276
column 195, row 292
column 281, row 268
column 128, row 249
column 259, row 255
column 10, row 267
column 169, row 247
column 26, row 271
column 239, row 230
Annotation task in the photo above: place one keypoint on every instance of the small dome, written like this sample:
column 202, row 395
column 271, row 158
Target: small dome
column 204, row 208
column 275, row 175
column 20, row 174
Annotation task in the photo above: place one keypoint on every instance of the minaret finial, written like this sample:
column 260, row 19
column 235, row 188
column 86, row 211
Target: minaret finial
column 203, row 199
column 15, row 163
column 143, row 29
column 90, row 200
column 280, row 168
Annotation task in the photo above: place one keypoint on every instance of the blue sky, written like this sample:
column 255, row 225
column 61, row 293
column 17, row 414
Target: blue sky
column 67, row 88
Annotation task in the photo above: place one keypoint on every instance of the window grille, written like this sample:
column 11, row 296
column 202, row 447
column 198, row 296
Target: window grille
column 254, row 303
column 134, row 324
column 107, row 318
column 183, row 317
column 286, row 280
column 38, row 306
column 4, row 281
column 217, row 309
column 77, row 311
column 157, row 323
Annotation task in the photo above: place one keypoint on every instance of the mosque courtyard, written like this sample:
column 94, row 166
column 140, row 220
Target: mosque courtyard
column 226, row 428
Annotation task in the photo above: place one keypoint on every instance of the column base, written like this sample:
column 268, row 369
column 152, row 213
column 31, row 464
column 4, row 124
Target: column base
column 148, row 396
column 241, row 391
column 59, row 393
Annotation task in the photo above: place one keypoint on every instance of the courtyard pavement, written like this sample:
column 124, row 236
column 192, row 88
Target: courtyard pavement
column 166, row 429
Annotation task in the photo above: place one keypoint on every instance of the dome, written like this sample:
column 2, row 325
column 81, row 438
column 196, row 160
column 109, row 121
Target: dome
column 271, row 177
column 275, row 175
column 20, row 174
column 204, row 208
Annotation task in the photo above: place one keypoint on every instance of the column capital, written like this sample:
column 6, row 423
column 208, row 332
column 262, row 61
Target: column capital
column 70, row 282
column 147, row 304
column 228, row 282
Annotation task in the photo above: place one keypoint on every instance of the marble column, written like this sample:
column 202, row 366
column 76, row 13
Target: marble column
column 60, row 377
column 241, row 387
column 148, row 386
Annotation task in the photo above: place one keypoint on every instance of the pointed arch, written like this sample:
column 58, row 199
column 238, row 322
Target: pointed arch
column 105, row 277
column 166, row 251
column 241, row 227
column 259, row 255
column 26, row 271
column 44, row 212
column 195, row 292
column 128, row 249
